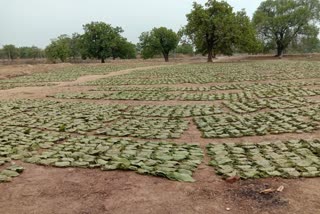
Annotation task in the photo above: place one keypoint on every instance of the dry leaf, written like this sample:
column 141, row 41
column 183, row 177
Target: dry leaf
column 232, row 179
column 280, row 188
column 267, row 191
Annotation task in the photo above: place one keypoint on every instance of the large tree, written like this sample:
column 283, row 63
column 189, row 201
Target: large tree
column 215, row 28
column 279, row 22
column 99, row 38
column 59, row 48
column 123, row 49
column 158, row 41
column 10, row 51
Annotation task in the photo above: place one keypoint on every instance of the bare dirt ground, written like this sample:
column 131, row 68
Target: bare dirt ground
column 57, row 191
column 9, row 71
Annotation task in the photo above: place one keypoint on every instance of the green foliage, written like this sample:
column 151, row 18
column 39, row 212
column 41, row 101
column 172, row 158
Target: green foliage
column 10, row 51
column 123, row 49
column 309, row 43
column 75, row 46
column 30, row 52
column 279, row 22
column 185, row 49
column 215, row 28
column 158, row 41
column 99, row 38
column 2, row 54
column 59, row 49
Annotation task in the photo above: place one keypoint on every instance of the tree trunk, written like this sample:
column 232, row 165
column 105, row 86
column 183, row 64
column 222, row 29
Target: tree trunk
column 102, row 60
column 210, row 54
column 280, row 50
column 214, row 55
column 166, row 57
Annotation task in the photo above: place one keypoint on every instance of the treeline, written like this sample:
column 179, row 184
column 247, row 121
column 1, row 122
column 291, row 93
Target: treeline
column 12, row 52
column 283, row 26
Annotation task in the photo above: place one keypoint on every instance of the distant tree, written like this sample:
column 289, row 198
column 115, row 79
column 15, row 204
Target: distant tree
column 185, row 45
column 99, row 38
column 279, row 22
column 245, row 38
column 309, row 43
column 10, row 51
column 185, row 48
column 59, row 48
column 2, row 54
column 123, row 49
column 30, row 52
column 215, row 28
column 75, row 45
column 158, row 41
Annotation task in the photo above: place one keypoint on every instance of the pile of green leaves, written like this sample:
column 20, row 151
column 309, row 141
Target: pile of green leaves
column 172, row 111
column 254, row 105
column 289, row 159
column 10, row 172
column 173, row 161
column 144, row 127
column 67, row 117
column 275, row 122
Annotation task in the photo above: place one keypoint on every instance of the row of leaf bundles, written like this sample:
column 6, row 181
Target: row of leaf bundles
column 174, row 161
column 145, row 127
column 253, row 105
column 276, row 122
column 224, row 72
column 67, row 117
column 172, row 111
column 288, row 159
column 154, row 96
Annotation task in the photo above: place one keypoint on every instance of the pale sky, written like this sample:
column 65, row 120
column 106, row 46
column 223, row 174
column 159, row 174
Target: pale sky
column 35, row 22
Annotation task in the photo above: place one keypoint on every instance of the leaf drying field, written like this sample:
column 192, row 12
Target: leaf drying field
column 200, row 125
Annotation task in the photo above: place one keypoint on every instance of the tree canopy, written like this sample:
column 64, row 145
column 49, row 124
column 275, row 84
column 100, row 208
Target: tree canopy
column 215, row 28
column 59, row 48
column 10, row 51
column 32, row 52
column 158, row 41
column 279, row 22
column 123, row 49
column 99, row 38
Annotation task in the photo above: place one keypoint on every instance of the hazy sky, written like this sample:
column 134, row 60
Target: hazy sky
column 35, row 22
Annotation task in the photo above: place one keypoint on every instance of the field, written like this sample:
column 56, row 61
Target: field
column 161, row 138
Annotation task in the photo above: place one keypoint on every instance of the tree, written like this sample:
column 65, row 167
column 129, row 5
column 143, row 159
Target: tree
column 59, row 48
column 215, row 28
column 2, row 54
column 185, row 44
column 123, row 49
column 185, row 48
column 75, row 45
column 99, row 38
column 279, row 22
column 158, row 41
column 30, row 52
column 306, row 43
column 10, row 51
